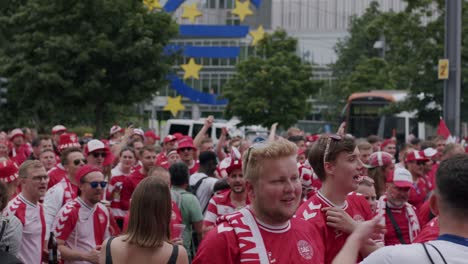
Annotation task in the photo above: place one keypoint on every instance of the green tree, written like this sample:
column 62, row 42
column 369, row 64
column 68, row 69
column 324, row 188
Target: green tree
column 76, row 62
column 414, row 43
column 272, row 86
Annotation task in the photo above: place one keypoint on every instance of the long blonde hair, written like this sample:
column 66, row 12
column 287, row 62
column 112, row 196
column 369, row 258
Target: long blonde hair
column 150, row 214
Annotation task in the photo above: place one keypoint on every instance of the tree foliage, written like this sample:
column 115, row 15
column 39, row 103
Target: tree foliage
column 272, row 86
column 78, row 61
column 414, row 43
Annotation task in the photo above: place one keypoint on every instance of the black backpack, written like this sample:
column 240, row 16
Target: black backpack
column 5, row 256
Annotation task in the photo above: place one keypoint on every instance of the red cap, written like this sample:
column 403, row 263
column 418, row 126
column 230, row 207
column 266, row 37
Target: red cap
column 16, row 133
column 68, row 140
column 8, row 171
column 380, row 159
column 400, row 177
column 416, row 156
column 387, row 142
column 151, row 134
column 312, row 138
column 169, row 138
column 58, row 128
column 179, row 136
column 235, row 165
column 186, row 142
column 85, row 170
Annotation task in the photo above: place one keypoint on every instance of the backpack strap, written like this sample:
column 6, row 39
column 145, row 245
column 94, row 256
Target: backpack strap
column 395, row 225
column 440, row 254
column 197, row 185
column 108, row 250
column 427, row 253
column 4, row 223
column 174, row 255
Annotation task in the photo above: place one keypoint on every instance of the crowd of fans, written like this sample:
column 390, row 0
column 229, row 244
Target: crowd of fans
column 294, row 198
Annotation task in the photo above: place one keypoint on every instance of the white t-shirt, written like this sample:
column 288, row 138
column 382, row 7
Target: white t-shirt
column 205, row 190
column 452, row 252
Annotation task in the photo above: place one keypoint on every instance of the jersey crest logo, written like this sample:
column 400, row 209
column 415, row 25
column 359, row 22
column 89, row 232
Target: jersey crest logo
column 305, row 249
column 358, row 218
column 102, row 218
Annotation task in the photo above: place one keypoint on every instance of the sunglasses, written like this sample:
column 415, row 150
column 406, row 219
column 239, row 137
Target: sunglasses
column 99, row 154
column 95, row 184
column 333, row 137
column 78, row 161
column 420, row 163
column 254, row 146
column 185, row 149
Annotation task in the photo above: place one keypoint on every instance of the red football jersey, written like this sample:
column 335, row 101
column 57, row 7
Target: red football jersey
column 418, row 193
column 401, row 219
column 33, row 227
column 118, row 206
column 56, row 174
column 220, row 204
column 429, row 232
column 424, row 213
column 83, row 228
column 293, row 243
column 355, row 205
column 194, row 168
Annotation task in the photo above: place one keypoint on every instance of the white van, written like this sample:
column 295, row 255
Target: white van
column 192, row 127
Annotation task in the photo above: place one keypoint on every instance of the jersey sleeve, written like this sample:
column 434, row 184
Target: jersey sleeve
column 219, row 246
column 65, row 221
column 52, row 204
column 210, row 214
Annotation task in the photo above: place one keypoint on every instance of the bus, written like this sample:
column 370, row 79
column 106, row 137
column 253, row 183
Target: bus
column 364, row 117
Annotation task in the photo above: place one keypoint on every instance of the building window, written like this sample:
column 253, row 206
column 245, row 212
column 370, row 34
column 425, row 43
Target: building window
column 212, row 4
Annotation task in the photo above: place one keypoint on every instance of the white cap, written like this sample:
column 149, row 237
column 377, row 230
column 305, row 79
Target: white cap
column 94, row 145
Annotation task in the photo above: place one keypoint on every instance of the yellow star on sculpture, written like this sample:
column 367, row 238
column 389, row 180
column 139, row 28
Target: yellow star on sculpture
column 191, row 69
column 174, row 105
column 257, row 35
column 242, row 9
column 152, row 4
column 191, row 12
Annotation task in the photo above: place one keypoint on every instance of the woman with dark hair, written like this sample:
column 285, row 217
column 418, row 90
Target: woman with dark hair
column 147, row 236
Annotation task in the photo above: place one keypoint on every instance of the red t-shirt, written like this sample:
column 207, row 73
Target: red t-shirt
column 429, row 232
column 176, row 218
column 401, row 219
column 294, row 243
column 418, row 193
column 355, row 205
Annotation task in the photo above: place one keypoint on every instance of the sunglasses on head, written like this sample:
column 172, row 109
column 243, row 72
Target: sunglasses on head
column 78, row 161
column 99, row 154
column 333, row 137
column 95, row 184
column 254, row 146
